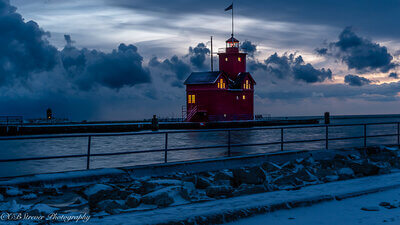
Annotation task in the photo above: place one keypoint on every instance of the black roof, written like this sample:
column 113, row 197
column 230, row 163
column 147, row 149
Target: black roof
column 236, row 84
column 202, row 77
column 232, row 39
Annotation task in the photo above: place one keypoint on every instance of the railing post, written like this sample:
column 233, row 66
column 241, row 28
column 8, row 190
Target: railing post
column 229, row 143
column 326, row 137
column 166, row 148
column 88, row 153
column 281, row 139
column 398, row 133
column 365, row 135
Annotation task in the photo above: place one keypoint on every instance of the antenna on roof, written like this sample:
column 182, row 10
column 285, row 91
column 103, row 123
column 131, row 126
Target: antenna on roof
column 212, row 60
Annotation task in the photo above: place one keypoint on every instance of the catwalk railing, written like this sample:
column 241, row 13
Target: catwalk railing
column 228, row 146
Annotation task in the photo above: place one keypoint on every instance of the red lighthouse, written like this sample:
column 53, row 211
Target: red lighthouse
column 227, row 94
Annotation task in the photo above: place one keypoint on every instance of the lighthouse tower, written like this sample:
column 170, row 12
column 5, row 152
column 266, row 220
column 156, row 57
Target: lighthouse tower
column 232, row 62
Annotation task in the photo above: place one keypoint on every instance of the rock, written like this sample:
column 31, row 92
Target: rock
column 253, row 175
column 345, row 173
column 110, row 206
column 322, row 172
column 34, row 213
column 29, row 196
column 330, row 178
column 370, row 208
column 136, row 186
column 222, row 175
column 387, row 205
column 160, row 197
column 188, row 191
column 364, row 169
column 270, row 166
column 285, row 180
column 305, row 175
column 133, row 200
column 148, row 187
column 384, row 167
column 98, row 192
column 52, row 191
column 248, row 189
column 202, row 182
column 219, row 191
column 13, row 191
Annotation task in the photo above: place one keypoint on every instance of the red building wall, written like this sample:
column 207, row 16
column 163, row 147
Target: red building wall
column 230, row 64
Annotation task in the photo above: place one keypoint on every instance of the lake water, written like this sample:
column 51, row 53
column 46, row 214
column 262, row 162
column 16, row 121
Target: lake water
column 69, row 146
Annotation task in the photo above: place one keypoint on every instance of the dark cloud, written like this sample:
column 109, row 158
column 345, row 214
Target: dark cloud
column 293, row 92
column 331, row 13
column 354, row 80
column 359, row 53
column 180, row 68
column 290, row 66
column 24, row 46
column 122, row 67
column 393, row 75
column 198, row 55
column 249, row 48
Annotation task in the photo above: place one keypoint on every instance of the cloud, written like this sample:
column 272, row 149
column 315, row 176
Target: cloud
column 393, row 75
column 249, row 48
column 354, row 80
column 180, row 68
column 120, row 68
column 359, row 53
column 198, row 55
column 24, row 46
column 290, row 66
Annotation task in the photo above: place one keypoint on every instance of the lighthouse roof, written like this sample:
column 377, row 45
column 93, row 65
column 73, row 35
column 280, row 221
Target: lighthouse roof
column 232, row 39
column 203, row 77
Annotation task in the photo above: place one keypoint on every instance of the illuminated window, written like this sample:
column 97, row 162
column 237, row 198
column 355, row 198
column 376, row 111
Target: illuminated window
column 221, row 84
column 239, row 59
column 246, row 85
column 244, row 97
column 191, row 99
column 226, row 59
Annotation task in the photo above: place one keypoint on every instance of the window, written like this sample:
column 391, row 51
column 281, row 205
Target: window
column 226, row 59
column 221, row 84
column 239, row 59
column 244, row 97
column 246, row 85
column 191, row 99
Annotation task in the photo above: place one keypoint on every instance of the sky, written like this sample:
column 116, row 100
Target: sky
column 127, row 60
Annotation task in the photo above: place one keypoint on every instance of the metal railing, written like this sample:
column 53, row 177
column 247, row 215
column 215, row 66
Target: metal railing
column 229, row 145
column 11, row 120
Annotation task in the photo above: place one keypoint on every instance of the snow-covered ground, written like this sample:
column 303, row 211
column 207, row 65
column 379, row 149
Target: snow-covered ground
column 345, row 212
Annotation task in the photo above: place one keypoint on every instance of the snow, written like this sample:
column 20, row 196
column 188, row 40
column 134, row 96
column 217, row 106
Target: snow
column 245, row 204
column 348, row 212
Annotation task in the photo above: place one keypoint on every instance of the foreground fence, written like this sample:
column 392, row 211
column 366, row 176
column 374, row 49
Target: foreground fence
column 228, row 146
